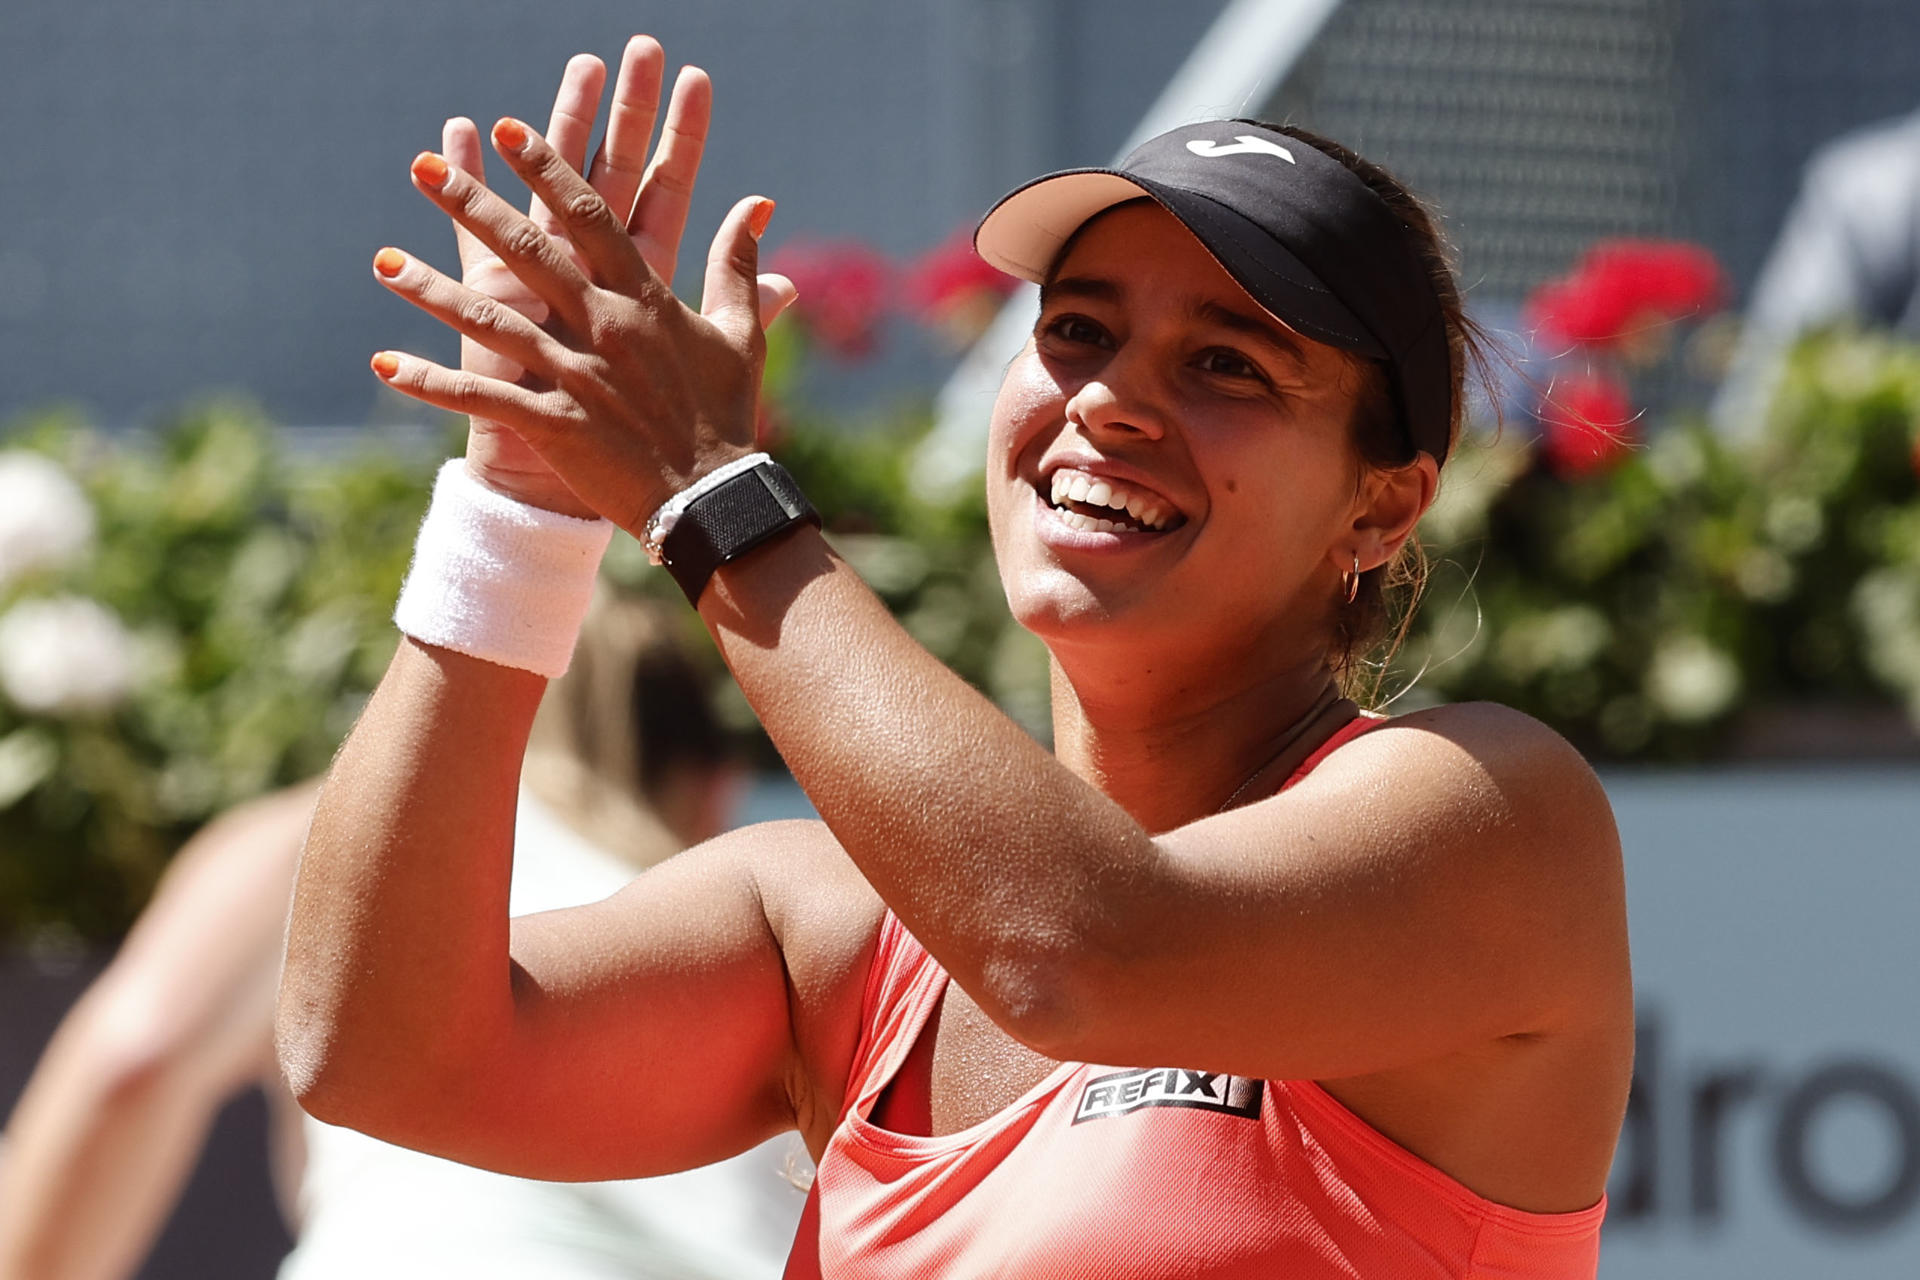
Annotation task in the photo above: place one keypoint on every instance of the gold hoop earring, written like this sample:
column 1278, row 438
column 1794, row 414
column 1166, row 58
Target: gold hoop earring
column 1352, row 579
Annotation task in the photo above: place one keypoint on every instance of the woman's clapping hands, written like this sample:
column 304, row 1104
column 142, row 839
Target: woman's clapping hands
column 592, row 389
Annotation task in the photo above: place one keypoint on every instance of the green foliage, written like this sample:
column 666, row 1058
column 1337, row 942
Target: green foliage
column 1641, row 610
column 256, row 589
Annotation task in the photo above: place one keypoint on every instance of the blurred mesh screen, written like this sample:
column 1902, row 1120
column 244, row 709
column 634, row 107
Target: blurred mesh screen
column 1538, row 126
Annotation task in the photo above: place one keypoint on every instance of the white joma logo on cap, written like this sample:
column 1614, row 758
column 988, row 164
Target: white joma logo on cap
column 1245, row 144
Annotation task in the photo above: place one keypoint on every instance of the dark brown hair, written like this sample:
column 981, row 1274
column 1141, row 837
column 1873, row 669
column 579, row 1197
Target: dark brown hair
column 1368, row 631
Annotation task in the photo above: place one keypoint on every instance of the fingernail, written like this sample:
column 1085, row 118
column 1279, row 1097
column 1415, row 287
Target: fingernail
column 509, row 134
column 385, row 363
column 757, row 220
column 430, row 168
column 389, row 262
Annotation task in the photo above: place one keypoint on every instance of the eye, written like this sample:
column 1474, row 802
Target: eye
column 1229, row 363
column 1074, row 329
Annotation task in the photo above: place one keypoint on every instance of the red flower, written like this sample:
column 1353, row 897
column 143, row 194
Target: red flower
column 1622, row 288
column 1586, row 425
column 845, row 289
column 953, row 289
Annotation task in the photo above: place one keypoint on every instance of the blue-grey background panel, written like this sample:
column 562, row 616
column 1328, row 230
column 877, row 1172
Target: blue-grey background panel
column 195, row 189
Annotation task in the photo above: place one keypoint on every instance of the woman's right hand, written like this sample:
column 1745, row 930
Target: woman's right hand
column 657, row 194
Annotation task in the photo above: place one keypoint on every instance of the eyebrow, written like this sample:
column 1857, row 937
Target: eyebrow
column 1092, row 287
column 1258, row 327
column 1262, row 328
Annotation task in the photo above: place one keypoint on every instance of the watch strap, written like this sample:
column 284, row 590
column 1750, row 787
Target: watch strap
column 731, row 519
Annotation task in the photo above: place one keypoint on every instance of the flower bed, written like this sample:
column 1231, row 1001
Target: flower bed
column 189, row 618
column 1640, row 606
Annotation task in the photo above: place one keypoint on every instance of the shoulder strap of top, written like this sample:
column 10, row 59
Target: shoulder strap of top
column 1362, row 723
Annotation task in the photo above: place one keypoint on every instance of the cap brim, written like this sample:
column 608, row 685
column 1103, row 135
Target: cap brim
column 1024, row 234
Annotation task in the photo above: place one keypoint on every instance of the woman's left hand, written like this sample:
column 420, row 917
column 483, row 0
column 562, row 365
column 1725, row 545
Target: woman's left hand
column 632, row 394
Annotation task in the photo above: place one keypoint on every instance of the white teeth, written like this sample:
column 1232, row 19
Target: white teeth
column 1090, row 524
column 1075, row 487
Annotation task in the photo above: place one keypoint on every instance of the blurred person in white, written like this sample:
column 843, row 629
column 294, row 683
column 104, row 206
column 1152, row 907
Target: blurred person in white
column 625, row 756
column 1848, row 253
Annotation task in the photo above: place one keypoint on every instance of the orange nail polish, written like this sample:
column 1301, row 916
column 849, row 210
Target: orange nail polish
column 509, row 134
column 430, row 168
column 389, row 262
column 757, row 220
column 385, row 363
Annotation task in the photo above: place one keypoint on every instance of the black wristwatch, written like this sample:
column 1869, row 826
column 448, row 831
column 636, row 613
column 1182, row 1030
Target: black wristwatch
column 722, row 516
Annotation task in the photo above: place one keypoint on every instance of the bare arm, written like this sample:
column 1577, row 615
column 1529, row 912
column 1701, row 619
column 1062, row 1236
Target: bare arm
column 103, row 1139
column 669, row 1026
column 564, row 1045
column 1366, row 926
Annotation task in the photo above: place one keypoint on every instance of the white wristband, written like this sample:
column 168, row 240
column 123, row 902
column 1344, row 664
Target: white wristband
column 497, row 579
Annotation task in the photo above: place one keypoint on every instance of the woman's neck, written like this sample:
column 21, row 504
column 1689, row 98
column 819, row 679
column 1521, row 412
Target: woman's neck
column 1171, row 754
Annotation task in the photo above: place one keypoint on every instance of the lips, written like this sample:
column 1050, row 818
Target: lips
column 1101, row 504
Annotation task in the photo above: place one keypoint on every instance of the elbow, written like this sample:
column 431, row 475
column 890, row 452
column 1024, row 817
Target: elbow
column 1071, row 987
column 328, row 1089
column 321, row 1060
column 299, row 1052
column 1044, row 996
column 128, row 1056
column 357, row 1078
column 1061, row 970
column 318, row 1071
column 134, row 1077
column 315, row 1057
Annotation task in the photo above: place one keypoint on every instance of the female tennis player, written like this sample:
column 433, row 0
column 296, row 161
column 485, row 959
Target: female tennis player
column 1236, row 981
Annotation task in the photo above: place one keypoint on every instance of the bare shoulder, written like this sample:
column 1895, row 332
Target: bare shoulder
column 1488, row 797
column 826, row 920
column 1502, row 769
column 1496, row 732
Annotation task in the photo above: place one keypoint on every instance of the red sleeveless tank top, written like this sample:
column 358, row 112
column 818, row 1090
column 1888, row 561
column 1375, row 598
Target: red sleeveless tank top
column 1113, row 1173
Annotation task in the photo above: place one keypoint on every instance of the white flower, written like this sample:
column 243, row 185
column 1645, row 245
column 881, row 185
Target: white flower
column 45, row 521
column 1886, row 603
column 64, row 656
column 1691, row 680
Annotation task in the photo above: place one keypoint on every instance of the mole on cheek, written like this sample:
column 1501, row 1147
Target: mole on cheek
column 1233, row 486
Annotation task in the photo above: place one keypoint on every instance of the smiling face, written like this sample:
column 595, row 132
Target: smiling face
column 1169, row 464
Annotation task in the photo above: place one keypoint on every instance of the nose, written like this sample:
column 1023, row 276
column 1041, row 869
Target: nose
column 1121, row 398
